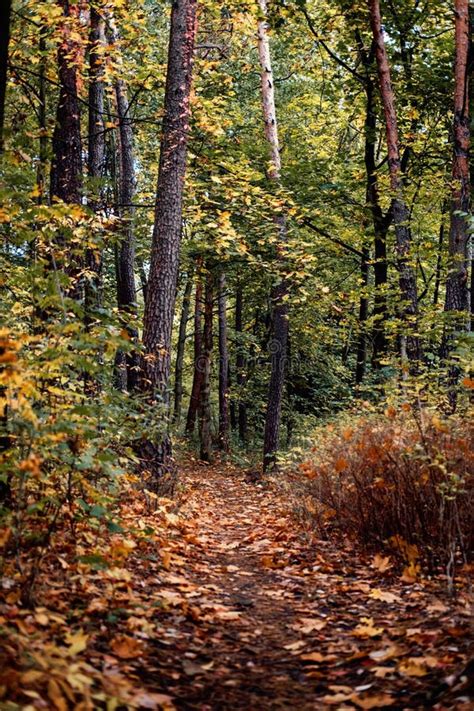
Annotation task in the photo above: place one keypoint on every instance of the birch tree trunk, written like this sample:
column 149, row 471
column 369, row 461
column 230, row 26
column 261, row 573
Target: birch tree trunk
column 279, row 341
column 161, row 290
column 399, row 209
column 224, row 423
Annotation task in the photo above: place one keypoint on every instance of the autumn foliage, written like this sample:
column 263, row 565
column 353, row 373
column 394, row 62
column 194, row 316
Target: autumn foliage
column 403, row 481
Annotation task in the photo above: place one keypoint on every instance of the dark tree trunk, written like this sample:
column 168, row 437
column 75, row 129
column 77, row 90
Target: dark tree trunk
column 197, row 366
column 380, row 223
column 5, row 14
column 224, row 424
column 161, row 293
column 95, row 166
column 205, row 435
column 457, row 285
column 278, row 352
column 96, row 155
column 240, row 365
column 363, row 315
column 66, row 167
column 439, row 260
column 178, row 370
column 125, row 258
column 399, row 210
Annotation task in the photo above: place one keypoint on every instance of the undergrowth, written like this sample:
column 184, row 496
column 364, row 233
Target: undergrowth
column 401, row 481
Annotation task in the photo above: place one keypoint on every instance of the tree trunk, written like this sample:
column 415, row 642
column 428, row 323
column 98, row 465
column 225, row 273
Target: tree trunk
column 380, row 224
column 363, row 314
column 5, row 14
column 240, row 365
column 278, row 346
column 197, row 369
column 95, row 166
column 224, row 424
column 125, row 258
column 399, row 210
column 178, row 371
column 161, row 292
column 457, row 285
column 66, row 167
column 205, row 435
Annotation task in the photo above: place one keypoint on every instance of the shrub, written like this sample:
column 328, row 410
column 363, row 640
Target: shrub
column 403, row 481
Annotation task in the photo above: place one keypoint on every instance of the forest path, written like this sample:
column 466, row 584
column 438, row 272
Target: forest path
column 266, row 619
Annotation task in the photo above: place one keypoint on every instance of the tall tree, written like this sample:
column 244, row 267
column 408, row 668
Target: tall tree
column 240, row 364
column 66, row 168
column 96, row 151
column 127, row 365
column 161, row 291
column 457, row 286
column 224, row 423
column 205, row 434
column 197, row 369
column 279, row 342
column 5, row 14
column 399, row 209
column 178, row 370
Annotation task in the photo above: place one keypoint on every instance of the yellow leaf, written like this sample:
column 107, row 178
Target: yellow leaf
column 77, row 642
column 367, row 628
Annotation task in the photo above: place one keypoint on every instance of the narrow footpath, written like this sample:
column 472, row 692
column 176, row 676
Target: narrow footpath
column 259, row 615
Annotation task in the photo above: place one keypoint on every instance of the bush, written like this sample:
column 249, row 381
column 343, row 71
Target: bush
column 401, row 481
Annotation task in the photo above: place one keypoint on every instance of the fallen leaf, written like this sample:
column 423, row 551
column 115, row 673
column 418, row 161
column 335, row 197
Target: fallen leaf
column 126, row 647
column 381, row 563
column 384, row 595
column 77, row 642
column 367, row 628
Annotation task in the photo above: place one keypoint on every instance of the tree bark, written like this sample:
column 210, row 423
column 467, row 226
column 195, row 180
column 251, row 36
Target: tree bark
column 205, row 435
column 95, row 166
column 125, row 258
column 457, row 285
column 66, row 167
column 5, row 14
column 240, row 365
column 197, row 369
column 178, row 371
column 161, row 291
column 399, row 210
column 363, row 315
column 279, row 341
column 224, row 423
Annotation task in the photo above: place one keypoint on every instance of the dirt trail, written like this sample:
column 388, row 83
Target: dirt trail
column 265, row 619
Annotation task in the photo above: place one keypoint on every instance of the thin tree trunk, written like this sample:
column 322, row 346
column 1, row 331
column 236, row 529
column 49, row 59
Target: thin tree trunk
column 380, row 222
column 205, row 436
column 240, row 365
column 439, row 260
column 224, row 423
column 197, row 369
column 278, row 346
column 95, row 165
column 178, row 371
column 399, row 210
column 66, row 165
column 125, row 258
column 5, row 15
column 457, row 285
column 160, row 302
column 363, row 315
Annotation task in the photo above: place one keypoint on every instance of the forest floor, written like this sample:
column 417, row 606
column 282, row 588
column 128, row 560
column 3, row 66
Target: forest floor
column 279, row 621
column 238, row 607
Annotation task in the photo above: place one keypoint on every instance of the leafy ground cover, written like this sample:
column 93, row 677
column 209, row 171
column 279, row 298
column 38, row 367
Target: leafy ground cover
column 221, row 600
